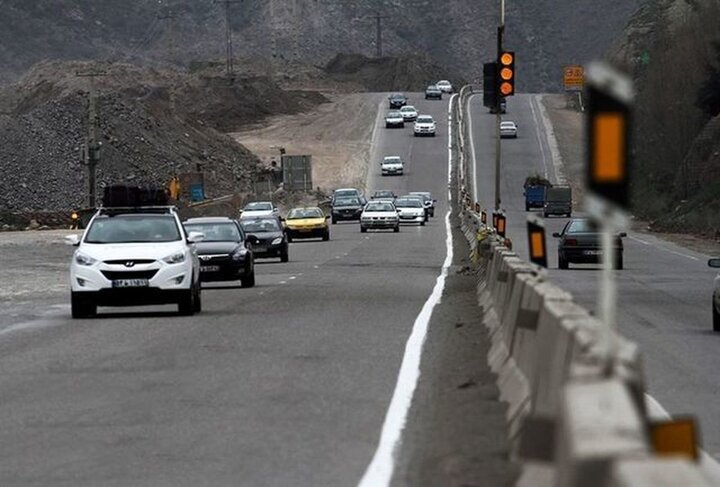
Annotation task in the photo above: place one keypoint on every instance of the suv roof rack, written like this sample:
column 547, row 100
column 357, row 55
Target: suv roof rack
column 117, row 210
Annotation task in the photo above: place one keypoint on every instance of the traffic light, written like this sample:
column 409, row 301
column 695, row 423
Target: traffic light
column 608, row 127
column 490, row 98
column 506, row 73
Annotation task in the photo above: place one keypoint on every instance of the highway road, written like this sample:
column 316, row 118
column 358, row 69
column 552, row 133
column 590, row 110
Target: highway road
column 664, row 291
column 287, row 383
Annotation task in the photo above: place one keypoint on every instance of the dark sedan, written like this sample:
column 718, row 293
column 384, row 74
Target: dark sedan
column 397, row 100
column 346, row 209
column 271, row 237
column 223, row 253
column 433, row 92
column 581, row 243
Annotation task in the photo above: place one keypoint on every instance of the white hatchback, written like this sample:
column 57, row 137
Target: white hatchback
column 409, row 113
column 379, row 215
column 508, row 129
column 134, row 257
column 444, row 86
column 392, row 166
column 259, row 209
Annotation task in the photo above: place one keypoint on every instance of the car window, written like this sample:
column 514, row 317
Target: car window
column 408, row 203
column 379, row 207
column 260, row 225
column 258, row 206
column 347, row 202
column 299, row 213
column 216, row 232
column 392, row 160
column 133, row 229
column 407, row 109
column 582, row 226
column 394, row 114
column 425, row 119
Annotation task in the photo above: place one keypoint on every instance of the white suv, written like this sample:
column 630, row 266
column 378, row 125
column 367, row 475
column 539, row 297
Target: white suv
column 134, row 257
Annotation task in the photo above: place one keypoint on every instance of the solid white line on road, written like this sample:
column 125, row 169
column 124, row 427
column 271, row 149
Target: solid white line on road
column 380, row 471
column 551, row 141
column 708, row 464
column 472, row 148
column 660, row 247
column 539, row 139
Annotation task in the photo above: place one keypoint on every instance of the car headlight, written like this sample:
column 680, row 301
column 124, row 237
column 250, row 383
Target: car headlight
column 239, row 254
column 277, row 241
column 175, row 258
column 83, row 259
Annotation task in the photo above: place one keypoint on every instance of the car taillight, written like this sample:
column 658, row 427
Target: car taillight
column 569, row 242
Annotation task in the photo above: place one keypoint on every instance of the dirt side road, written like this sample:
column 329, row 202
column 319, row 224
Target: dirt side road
column 338, row 135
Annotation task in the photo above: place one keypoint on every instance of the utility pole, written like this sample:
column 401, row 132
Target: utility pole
column 378, row 34
column 230, row 68
column 93, row 144
column 498, row 116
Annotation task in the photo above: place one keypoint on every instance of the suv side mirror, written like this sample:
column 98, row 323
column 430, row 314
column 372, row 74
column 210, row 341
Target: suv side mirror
column 195, row 237
column 714, row 262
column 622, row 234
column 556, row 235
column 252, row 239
column 73, row 240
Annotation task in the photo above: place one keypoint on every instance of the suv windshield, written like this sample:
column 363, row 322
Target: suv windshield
column 260, row 225
column 424, row 120
column 133, row 229
column 216, row 232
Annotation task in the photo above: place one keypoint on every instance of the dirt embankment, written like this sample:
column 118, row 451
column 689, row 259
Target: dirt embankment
column 153, row 125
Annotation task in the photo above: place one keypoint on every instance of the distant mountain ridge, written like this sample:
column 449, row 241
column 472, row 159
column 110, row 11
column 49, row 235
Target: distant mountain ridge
column 459, row 34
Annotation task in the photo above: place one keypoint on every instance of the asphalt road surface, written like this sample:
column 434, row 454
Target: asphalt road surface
column 664, row 291
column 283, row 384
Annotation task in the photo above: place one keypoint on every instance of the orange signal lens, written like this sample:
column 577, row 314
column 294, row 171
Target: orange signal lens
column 609, row 148
column 506, row 88
column 506, row 74
column 506, row 59
column 537, row 250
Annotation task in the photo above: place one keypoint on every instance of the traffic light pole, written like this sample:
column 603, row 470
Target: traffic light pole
column 498, row 116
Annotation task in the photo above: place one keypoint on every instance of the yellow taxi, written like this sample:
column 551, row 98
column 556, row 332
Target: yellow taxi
column 307, row 223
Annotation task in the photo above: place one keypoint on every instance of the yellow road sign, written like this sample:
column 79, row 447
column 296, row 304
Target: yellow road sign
column 574, row 78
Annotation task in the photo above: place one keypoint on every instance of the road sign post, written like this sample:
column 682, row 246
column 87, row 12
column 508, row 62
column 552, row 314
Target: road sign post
column 609, row 97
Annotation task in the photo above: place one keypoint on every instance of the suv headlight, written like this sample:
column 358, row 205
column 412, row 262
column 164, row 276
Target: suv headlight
column 175, row 258
column 239, row 254
column 277, row 241
column 83, row 259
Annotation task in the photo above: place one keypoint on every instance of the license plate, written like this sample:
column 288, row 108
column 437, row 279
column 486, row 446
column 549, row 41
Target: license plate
column 305, row 230
column 209, row 268
column 592, row 252
column 131, row 283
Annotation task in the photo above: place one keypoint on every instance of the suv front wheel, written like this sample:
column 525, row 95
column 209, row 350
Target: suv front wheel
column 82, row 306
column 190, row 302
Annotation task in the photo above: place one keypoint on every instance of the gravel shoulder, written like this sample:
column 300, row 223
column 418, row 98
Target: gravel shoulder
column 569, row 132
column 338, row 135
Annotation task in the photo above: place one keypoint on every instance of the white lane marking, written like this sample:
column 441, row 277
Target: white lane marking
column 316, row 267
column 283, row 282
column 537, row 135
column 48, row 319
column 292, row 278
column 468, row 116
column 660, row 247
column 551, row 141
column 380, row 471
column 708, row 464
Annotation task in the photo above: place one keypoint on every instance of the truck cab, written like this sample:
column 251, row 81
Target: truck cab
column 534, row 192
column 558, row 201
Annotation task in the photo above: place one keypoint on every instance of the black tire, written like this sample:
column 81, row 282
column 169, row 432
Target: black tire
column 396, row 229
column 198, row 299
column 562, row 263
column 619, row 262
column 545, row 215
column 326, row 236
column 334, row 221
column 387, row 125
column 81, row 306
column 432, row 212
column 284, row 256
column 422, row 223
column 527, row 207
column 716, row 317
column 249, row 280
column 363, row 229
column 289, row 237
column 186, row 304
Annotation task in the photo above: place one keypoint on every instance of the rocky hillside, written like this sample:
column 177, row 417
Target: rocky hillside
column 154, row 124
column 456, row 34
column 672, row 49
